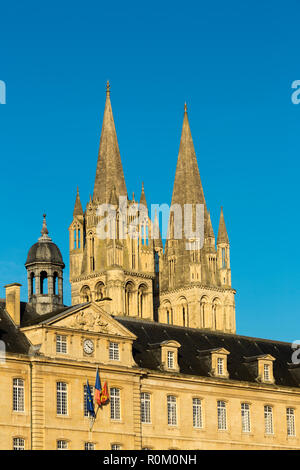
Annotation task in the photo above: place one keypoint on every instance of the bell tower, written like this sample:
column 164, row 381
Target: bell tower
column 44, row 267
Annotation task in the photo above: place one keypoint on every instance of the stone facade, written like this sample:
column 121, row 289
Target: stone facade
column 159, row 324
column 175, row 285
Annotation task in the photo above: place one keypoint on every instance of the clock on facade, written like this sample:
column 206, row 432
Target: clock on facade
column 88, row 346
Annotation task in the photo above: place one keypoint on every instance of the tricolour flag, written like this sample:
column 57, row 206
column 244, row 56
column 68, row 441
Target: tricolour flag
column 98, row 389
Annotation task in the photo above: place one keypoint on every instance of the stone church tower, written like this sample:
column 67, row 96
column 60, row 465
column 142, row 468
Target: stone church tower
column 119, row 267
column 186, row 287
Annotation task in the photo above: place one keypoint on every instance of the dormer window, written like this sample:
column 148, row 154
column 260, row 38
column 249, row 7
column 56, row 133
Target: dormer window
column 170, row 359
column 61, row 344
column 220, row 366
column 114, row 354
column 267, row 372
column 168, row 355
column 261, row 367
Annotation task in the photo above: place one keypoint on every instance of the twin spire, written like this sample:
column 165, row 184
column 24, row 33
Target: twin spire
column 110, row 181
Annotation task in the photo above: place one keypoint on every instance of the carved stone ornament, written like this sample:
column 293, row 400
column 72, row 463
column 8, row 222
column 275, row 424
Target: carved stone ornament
column 90, row 321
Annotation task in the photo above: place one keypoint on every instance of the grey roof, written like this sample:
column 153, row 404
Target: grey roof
column 194, row 344
column 45, row 251
column 194, row 341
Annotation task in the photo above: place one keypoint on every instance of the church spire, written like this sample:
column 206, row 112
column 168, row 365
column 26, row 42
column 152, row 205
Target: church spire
column 143, row 197
column 187, row 185
column 109, row 171
column 222, row 233
column 78, row 207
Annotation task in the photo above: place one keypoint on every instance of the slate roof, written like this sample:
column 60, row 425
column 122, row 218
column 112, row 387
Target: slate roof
column 15, row 341
column 194, row 341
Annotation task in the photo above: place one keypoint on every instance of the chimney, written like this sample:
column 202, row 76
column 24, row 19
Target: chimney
column 12, row 297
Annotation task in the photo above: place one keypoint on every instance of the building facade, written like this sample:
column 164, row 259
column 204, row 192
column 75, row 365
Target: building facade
column 158, row 321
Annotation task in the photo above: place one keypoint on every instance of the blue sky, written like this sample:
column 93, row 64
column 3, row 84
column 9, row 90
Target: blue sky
column 233, row 62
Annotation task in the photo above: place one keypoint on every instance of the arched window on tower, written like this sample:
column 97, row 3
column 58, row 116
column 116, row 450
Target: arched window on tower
column 32, row 283
column 128, row 297
column 44, row 282
column 55, row 281
column 85, row 294
column 100, row 290
column 141, row 300
column 78, row 240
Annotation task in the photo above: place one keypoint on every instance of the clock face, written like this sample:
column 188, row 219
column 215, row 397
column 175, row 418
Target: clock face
column 88, row 346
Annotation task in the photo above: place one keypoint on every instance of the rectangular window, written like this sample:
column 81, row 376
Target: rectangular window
column 145, row 408
column 89, row 446
column 290, row 417
column 61, row 398
column 61, row 344
column 267, row 372
column 245, row 410
column 18, row 443
column 18, row 395
column 197, row 413
column 222, row 420
column 170, row 360
column 268, row 419
column 61, row 445
column 220, row 363
column 115, row 447
column 115, row 404
column 85, row 411
column 114, row 351
column 172, row 410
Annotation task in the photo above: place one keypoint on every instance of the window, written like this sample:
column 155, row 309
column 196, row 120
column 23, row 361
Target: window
column 89, row 446
column 172, row 410
column 85, row 411
column 245, row 410
column 268, row 419
column 222, row 421
column 61, row 445
column 290, row 418
column 18, row 395
column 114, row 351
column 18, row 443
column 115, row 447
column 170, row 360
column 223, row 258
column 267, row 372
column 220, row 366
column 61, row 344
column 197, row 413
column 115, row 405
column 145, row 408
column 61, row 398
